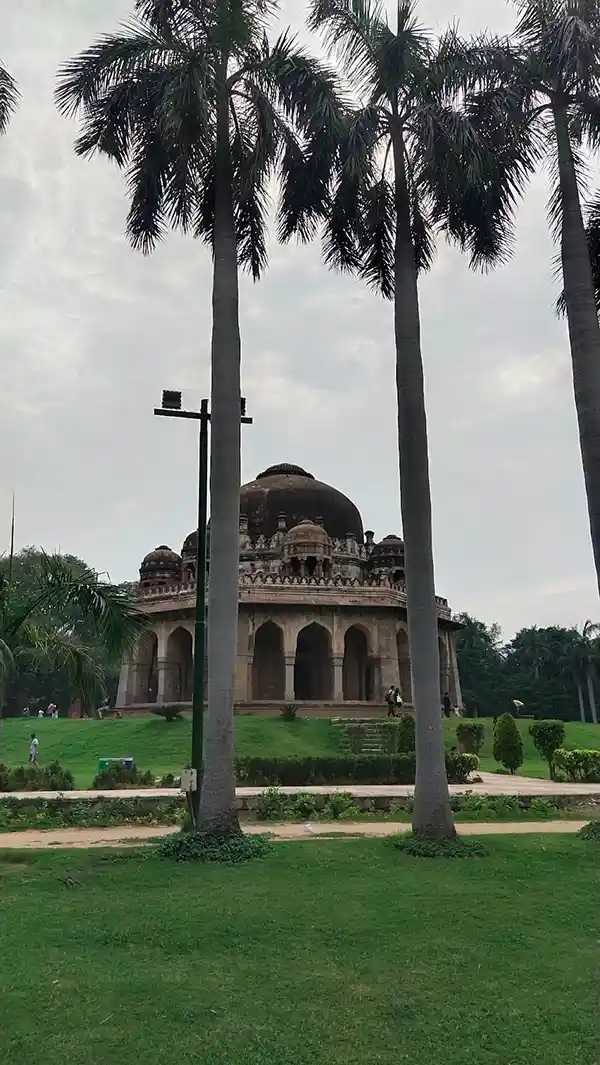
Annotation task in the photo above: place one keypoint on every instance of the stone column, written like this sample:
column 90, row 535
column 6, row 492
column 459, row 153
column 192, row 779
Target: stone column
column 123, row 692
column 338, row 678
column 161, row 664
column 455, row 691
column 290, row 662
column 444, row 663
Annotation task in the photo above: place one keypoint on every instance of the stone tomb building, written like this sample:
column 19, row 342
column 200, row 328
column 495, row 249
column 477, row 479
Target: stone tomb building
column 322, row 608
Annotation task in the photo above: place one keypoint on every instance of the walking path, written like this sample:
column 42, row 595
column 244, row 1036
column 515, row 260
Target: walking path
column 490, row 784
column 131, row 835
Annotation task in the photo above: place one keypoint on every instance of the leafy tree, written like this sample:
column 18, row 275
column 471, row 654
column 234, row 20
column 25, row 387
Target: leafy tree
column 551, row 66
column 480, row 663
column 9, row 98
column 203, row 112
column 508, row 745
column 413, row 162
column 54, row 616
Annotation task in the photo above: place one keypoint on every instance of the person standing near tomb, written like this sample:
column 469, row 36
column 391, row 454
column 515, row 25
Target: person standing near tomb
column 34, row 747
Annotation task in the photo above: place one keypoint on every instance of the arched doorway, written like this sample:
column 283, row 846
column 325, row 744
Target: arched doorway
column 179, row 667
column 356, row 673
column 404, row 670
column 444, row 667
column 268, row 663
column 146, row 669
column 313, row 673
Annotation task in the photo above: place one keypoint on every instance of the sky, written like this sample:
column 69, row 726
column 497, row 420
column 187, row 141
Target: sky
column 91, row 332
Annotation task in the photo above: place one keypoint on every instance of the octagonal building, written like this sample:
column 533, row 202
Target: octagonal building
column 322, row 609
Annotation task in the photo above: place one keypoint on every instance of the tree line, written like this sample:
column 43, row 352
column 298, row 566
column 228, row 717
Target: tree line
column 401, row 138
column 554, row 672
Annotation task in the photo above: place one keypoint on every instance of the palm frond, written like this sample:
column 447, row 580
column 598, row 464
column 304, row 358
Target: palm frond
column 349, row 28
column 378, row 232
column 355, row 173
column 60, row 651
column 9, row 98
column 7, row 668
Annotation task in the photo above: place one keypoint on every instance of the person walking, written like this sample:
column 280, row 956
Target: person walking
column 34, row 748
column 447, row 705
column 390, row 699
column 398, row 702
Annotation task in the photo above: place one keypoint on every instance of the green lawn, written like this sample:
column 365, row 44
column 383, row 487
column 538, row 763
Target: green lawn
column 326, row 953
column 164, row 747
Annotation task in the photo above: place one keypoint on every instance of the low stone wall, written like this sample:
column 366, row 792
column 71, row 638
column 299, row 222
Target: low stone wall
column 371, row 711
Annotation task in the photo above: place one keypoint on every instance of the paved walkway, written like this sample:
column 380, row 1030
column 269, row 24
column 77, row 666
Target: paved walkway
column 491, row 784
column 131, row 835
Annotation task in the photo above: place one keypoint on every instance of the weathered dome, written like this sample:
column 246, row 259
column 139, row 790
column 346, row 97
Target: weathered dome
column 307, row 533
column 161, row 562
column 291, row 491
column 388, row 554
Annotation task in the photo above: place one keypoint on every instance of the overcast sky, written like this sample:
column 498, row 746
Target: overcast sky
column 91, row 332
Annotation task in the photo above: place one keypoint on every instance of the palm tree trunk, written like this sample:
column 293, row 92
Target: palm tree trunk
column 581, row 702
column 432, row 815
column 591, row 694
column 217, row 801
column 584, row 332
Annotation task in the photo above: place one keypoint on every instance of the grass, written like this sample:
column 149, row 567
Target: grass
column 164, row 747
column 339, row 952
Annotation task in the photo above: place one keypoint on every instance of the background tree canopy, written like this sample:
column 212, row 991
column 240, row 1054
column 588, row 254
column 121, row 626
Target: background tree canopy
column 63, row 631
column 553, row 671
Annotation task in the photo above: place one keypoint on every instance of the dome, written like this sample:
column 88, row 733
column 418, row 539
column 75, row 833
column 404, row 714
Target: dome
column 293, row 492
column 307, row 534
column 388, row 552
column 161, row 562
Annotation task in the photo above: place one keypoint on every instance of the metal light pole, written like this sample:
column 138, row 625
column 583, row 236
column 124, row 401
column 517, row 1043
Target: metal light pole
column 171, row 408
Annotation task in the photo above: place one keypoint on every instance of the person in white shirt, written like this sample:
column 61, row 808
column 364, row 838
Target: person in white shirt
column 34, row 747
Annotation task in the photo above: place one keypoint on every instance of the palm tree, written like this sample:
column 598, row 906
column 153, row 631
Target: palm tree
column 589, row 647
column 203, row 112
column 551, row 67
column 592, row 232
column 413, row 162
column 32, row 638
column 9, row 98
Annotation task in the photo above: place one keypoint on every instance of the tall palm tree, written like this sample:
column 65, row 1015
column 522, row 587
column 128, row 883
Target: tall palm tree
column 31, row 636
column 413, row 162
column 551, row 66
column 592, row 232
column 9, row 98
column 203, row 112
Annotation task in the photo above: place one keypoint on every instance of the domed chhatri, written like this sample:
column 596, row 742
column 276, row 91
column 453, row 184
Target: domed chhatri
column 322, row 608
column 162, row 564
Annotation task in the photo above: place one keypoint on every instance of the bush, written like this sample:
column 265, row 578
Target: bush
column 346, row 769
column 19, row 815
column 547, row 736
column 289, row 711
column 470, row 736
column 356, row 734
column 458, row 847
column 508, row 745
column 341, row 806
column 51, row 777
column 581, row 766
column 275, row 805
column 591, row 831
column 170, row 711
column 210, row 847
column 118, row 775
column 398, row 734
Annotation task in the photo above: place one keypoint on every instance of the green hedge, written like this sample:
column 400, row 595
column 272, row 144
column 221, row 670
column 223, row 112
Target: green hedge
column 346, row 769
column 581, row 766
column 51, row 777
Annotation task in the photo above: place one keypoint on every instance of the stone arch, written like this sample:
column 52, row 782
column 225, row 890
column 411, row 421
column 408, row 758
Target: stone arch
column 179, row 667
column 268, row 663
column 146, row 669
column 444, row 666
column 404, row 666
column 357, row 672
column 313, row 667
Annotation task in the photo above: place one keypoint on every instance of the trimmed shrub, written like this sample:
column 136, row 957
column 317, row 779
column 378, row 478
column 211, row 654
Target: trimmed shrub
column 470, row 736
column 591, row 831
column 398, row 734
column 170, row 711
column 508, row 745
column 458, row 847
column 289, row 712
column 120, row 776
column 357, row 735
column 208, row 847
column 51, row 777
column 346, row 769
column 547, row 736
column 581, row 766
